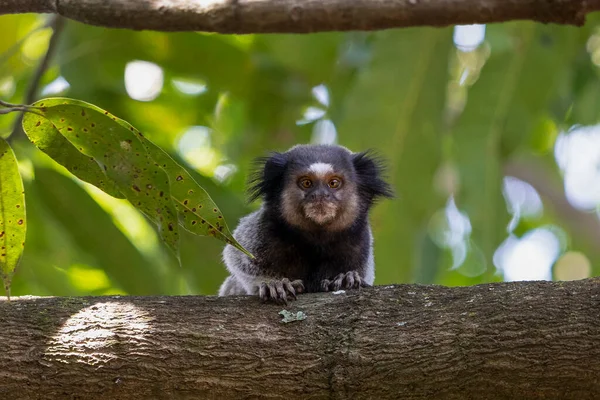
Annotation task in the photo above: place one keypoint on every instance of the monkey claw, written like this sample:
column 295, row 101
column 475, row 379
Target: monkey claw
column 277, row 291
column 348, row 280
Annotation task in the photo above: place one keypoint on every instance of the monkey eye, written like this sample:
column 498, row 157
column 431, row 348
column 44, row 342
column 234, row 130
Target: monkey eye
column 334, row 183
column 305, row 183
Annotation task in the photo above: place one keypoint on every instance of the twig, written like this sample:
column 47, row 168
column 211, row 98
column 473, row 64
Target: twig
column 6, row 104
column 57, row 24
column 12, row 109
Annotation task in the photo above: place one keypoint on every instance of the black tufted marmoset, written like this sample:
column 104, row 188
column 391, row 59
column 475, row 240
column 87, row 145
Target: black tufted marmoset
column 312, row 232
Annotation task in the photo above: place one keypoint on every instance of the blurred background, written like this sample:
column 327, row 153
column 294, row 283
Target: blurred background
column 490, row 132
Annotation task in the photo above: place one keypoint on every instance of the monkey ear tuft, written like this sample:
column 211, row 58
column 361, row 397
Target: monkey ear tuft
column 370, row 168
column 267, row 177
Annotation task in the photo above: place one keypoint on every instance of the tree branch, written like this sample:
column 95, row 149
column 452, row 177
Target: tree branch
column 526, row 340
column 301, row 16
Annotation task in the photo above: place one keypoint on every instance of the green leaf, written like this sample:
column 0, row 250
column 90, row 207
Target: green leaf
column 196, row 211
column 45, row 136
column 13, row 225
column 122, row 155
column 396, row 106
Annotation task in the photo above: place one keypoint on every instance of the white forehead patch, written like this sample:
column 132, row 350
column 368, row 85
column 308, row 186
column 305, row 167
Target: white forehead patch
column 321, row 169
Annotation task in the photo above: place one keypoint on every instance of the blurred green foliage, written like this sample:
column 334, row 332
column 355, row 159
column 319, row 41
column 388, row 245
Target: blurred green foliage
column 448, row 120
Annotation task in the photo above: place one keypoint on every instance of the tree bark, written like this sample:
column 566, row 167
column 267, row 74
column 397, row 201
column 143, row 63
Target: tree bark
column 526, row 340
column 301, row 16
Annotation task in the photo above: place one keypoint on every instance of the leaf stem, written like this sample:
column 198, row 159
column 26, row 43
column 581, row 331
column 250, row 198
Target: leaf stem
column 5, row 104
column 12, row 109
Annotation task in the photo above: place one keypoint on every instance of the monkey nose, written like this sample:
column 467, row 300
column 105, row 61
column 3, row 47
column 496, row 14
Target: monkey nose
column 320, row 195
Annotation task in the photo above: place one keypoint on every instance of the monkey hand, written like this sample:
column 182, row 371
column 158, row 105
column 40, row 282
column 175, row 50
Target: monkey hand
column 278, row 290
column 348, row 280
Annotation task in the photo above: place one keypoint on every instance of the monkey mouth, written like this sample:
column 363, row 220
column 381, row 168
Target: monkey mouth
column 320, row 212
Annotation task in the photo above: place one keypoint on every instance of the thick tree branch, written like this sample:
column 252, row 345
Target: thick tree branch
column 527, row 340
column 301, row 16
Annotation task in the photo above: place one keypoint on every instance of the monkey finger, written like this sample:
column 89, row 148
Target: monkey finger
column 349, row 280
column 262, row 292
column 272, row 291
column 298, row 286
column 358, row 281
column 337, row 282
column 281, row 296
column 289, row 288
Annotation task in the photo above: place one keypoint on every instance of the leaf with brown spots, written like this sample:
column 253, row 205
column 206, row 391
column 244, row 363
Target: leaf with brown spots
column 120, row 154
column 197, row 212
column 13, row 225
column 44, row 135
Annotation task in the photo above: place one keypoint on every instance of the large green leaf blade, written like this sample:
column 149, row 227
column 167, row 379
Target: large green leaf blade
column 120, row 152
column 197, row 212
column 396, row 106
column 45, row 136
column 13, row 226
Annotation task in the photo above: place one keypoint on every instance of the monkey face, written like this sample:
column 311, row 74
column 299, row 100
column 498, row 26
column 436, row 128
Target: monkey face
column 319, row 187
column 319, row 196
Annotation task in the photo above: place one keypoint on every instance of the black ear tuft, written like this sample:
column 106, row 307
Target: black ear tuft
column 369, row 170
column 267, row 178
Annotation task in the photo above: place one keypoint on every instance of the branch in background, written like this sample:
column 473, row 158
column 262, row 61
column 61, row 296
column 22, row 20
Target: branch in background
column 301, row 16
column 57, row 24
column 517, row 340
column 585, row 225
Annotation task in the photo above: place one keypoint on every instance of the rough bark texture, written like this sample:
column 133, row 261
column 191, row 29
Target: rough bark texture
column 301, row 16
column 528, row 340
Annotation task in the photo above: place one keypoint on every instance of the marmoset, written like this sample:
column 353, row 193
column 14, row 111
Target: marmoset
column 311, row 233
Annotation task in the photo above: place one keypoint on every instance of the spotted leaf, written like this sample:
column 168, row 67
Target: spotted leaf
column 12, row 214
column 197, row 212
column 45, row 136
column 119, row 152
